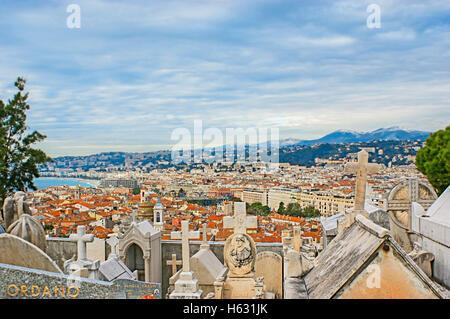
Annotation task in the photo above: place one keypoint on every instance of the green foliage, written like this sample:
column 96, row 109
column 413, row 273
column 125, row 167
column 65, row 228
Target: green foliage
column 310, row 211
column 258, row 209
column 18, row 160
column 433, row 160
column 295, row 210
column 136, row 191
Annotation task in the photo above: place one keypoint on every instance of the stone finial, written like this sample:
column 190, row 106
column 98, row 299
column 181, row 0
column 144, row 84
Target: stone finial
column 29, row 229
column 113, row 241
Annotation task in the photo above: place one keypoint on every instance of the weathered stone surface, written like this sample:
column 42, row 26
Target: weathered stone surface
column 361, row 169
column 342, row 270
column 148, row 243
column 296, row 264
column 207, row 268
column 170, row 247
column 30, row 229
column 14, row 207
column 16, row 251
column 240, row 254
column 399, row 203
column 270, row 266
column 186, row 286
column 113, row 269
column 295, row 288
column 25, row 283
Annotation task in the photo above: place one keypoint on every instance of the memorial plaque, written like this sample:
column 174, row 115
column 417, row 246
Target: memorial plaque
column 136, row 289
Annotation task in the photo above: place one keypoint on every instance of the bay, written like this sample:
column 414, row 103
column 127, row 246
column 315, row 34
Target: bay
column 44, row 182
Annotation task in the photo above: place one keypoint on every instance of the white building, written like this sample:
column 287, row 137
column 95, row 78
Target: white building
column 433, row 226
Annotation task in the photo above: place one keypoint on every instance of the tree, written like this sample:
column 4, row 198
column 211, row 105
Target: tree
column 281, row 209
column 258, row 209
column 310, row 211
column 433, row 160
column 19, row 162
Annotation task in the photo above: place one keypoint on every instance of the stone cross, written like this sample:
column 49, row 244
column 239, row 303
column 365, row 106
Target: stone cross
column 185, row 235
column 174, row 263
column 81, row 238
column 134, row 216
column 361, row 169
column 113, row 241
column 240, row 221
column 204, row 232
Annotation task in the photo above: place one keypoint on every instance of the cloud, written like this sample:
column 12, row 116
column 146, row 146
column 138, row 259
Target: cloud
column 136, row 70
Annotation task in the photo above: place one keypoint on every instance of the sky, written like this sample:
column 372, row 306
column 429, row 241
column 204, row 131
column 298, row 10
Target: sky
column 137, row 70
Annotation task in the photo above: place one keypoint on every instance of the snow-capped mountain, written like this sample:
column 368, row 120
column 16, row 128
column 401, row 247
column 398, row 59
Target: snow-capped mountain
column 343, row 136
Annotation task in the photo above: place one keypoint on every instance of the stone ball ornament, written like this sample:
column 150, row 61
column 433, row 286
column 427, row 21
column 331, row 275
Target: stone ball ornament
column 240, row 254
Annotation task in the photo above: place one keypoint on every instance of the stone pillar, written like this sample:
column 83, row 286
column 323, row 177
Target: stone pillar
column 147, row 268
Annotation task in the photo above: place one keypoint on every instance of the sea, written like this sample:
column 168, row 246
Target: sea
column 44, row 182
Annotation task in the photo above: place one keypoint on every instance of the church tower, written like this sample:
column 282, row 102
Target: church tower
column 158, row 211
column 145, row 210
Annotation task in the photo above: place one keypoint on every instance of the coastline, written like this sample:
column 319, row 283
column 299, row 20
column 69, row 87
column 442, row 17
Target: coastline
column 91, row 182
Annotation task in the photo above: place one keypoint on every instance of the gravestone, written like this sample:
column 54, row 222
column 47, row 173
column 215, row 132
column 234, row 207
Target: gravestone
column 270, row 266
column 16, row 251
column 82, row 266
column 25, row 283
column 186, row 287
column 137, row 289
column 174, row 263
column 361, row 168
column 140, row 249
column 297, row 241
column 113, row 242
column 239, row 257
column 399, row 203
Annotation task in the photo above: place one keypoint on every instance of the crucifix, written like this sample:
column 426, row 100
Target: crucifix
column 174, row 263
column 361, row 169
column 113, row 241
column 240, row 221
column 81, row 238
column 185, row 235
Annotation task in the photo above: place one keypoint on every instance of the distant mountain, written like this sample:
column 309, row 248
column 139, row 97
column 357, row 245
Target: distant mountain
column 292, row 150
column 385, row 134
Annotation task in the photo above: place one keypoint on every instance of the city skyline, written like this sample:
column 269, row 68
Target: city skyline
column 133, row 72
